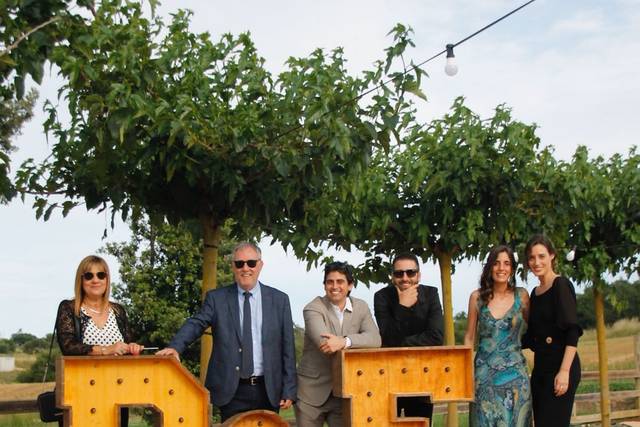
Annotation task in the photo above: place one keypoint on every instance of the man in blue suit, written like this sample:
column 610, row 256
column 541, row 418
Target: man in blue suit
column 253, row 362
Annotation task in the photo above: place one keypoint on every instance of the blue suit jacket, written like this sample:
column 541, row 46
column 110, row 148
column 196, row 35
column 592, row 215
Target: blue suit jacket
column 220, row 310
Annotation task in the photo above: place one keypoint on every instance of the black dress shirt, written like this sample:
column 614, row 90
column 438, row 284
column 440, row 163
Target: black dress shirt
column 400, row 326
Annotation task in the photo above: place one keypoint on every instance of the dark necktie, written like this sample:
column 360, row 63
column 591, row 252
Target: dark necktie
column 247, row 339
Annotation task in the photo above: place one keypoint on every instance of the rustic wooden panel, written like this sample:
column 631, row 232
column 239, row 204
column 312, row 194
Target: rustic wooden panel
column 92, row 389
column 372, row 379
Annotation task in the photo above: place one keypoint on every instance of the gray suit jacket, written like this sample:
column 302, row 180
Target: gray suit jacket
column 314, row 371
column 221, row 311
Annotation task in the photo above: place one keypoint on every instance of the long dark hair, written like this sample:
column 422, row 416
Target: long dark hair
column 486, row 281
column 539, row 239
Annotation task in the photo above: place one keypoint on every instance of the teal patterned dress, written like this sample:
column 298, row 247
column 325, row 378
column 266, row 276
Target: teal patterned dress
column 503, row 394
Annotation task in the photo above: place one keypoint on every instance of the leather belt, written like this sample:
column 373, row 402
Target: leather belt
column 252, row 380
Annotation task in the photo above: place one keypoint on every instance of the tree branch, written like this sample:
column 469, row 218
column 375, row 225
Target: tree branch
column 8, row 50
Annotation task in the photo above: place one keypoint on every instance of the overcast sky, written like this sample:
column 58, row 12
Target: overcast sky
column 569, row 66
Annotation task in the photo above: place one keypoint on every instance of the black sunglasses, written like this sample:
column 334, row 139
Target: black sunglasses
column 239, row 263
column 398, row 274
column 89, row 275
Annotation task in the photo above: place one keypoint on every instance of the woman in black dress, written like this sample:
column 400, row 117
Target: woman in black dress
column 553, row 335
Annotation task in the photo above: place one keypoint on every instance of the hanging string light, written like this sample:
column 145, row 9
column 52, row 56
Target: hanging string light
column 451, row 69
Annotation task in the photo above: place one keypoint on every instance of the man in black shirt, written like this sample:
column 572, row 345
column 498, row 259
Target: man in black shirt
column 409, row 315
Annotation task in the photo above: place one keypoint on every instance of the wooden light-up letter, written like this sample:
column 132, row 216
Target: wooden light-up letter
column 91, row 390
column 373, row 378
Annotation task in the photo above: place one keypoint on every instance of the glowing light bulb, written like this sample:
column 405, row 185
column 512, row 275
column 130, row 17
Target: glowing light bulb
column 571, row 255
column 451, row 68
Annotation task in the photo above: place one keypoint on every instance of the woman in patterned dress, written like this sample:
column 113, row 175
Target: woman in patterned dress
column 498, row 313
column 90, row 324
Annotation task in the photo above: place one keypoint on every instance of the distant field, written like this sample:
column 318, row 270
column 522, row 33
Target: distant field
column 620, row 346
column 23, row 361
column 18, row 391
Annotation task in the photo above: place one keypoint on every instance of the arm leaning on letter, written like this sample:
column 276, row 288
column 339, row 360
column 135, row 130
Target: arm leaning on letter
column 196, row 324
column 368, row 334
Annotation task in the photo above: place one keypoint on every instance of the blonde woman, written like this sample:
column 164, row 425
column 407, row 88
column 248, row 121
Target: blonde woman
column 90, row 324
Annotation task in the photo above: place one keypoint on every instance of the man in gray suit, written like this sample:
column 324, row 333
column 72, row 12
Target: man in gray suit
column 332, row 323
column 253, row 363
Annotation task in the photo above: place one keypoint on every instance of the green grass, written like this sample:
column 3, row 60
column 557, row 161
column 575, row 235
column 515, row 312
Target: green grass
column 21, row 420
column 30, row 420
column 615, row 385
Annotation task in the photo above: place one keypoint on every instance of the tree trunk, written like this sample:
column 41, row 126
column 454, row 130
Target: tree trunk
column 211, row 238
column 605, row 406
column 444, row 261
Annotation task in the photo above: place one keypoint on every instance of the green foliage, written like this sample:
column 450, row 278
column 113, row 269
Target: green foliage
column 36, row 345
column 622, row 301
column 298, row 336
column 7, row 346
column 601, row 199
column 13, row 114
column 160, row 272
column 35, row 372
column 174, row 123
column 20, row 338
column 460, row 327
column 29, row 30
column 458, row 185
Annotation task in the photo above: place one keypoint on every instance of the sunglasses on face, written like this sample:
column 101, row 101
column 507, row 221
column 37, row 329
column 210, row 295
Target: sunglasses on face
column 89, row 275
column 239, row 263
column 399, row 274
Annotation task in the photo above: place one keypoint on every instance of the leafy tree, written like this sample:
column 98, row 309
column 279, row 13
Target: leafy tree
column 35, row 345
column 621, row 301
column 29, row 30
column 21, row 338
column 451, row 190
column 601, row 199
column 160, row 271
column 13, row 114
column 173, row 124
column 7, row 346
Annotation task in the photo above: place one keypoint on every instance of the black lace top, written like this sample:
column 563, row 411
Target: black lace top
column 70, row 329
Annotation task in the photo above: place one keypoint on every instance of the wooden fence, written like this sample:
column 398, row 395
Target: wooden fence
column 578, row 418
column 589, row 399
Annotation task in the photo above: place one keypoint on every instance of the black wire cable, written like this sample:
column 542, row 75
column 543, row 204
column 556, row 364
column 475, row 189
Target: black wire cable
column 410, row 69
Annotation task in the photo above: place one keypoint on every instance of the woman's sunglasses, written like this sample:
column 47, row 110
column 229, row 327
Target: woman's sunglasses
column 250, row 262
column 89, row 275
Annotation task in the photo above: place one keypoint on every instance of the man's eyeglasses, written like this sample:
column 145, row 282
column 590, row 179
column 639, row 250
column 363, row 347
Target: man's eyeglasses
column 89, row 275
column 239, row 263
column 399, row 274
